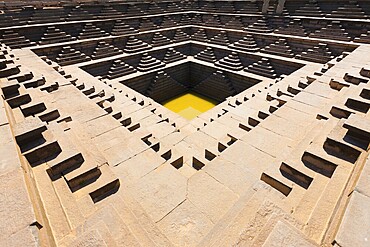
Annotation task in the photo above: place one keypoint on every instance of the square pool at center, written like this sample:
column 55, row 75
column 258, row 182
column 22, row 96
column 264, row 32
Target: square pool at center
column 189, row 105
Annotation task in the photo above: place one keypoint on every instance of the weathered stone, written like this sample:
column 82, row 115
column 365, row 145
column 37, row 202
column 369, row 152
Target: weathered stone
column 275, row 156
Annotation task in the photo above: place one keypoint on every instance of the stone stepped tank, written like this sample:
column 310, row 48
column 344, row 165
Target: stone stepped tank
column 184, row 123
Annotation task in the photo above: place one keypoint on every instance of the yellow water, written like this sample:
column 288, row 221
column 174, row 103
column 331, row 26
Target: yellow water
column 189, row 105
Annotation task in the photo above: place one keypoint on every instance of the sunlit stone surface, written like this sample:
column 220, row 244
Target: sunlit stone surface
column 189, row 105
column 184, row 123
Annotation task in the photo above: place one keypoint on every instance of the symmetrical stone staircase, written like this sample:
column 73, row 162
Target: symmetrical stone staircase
column 279, row 48
column 262, row 67
column 164, row 87
column 217, row 84
column 320, row 53
column 119, row 69
column 105, row 50
column 135, row 45
column 69, row 55
column 245, row 44
column 206, row 55
column 106, row 165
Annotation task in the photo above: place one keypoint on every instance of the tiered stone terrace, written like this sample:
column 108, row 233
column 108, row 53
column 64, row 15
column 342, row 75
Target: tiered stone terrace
column 90, row 157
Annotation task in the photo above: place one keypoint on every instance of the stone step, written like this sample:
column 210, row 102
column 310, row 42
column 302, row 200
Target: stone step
column 69, row 159
column 23, row 76
column 19, row 99
column 273, row 219
column 358, row 127
column 277, row 181
column 9, row 88
column 97, row 234
column 236, row 221
column 54, row 212
column 83, row 175
column 10, row 70
column 117, row 228
column 142, row 220
column 42, row 149
column 32, row 108
column 130, row 220
column 338, row 145
column 29, row 130
column 34, row 83
column 68, row 203
column 49, row 115
column 119, row 69
column 103, row 186
column 326, row 206
column 286, row 234
column 135, row 45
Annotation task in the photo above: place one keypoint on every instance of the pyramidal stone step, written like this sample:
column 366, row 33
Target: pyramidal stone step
column 47, row 15
column 263, row 67
column 91, row 31
column 248, row 8
column 332, row 31
column 234, row 23
column 209, row 6
column 221, row 39
column 147, row 24
column 206, row 55
column 231, row 62
column 82, row 176
column 180, row 36
column 172, row 56
column 310, row 9
column 155, row 9
column 164, row 87
column 105, row 50
column 10, row 88
column 77, row 14
column 350, row 10
column 212, row 21
column 109, row 12
column 15, row 40
column 185, row 20
column 168, row 22
column 217, row 86
column 135, row 45
column 261, row 26
column 118, row 69
column 120, row 28
column 318, row 54
column 148, row 63
column 69, row 56
column 18, row 100
column 279, row 48
column 133, row 10
column 55, row 35
column 197, row 19
column 36, row 143
column 159, row 39
column 200, row 35
column 294, row 27
column 70, row 158
column 246, row 44
column 173, row 7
